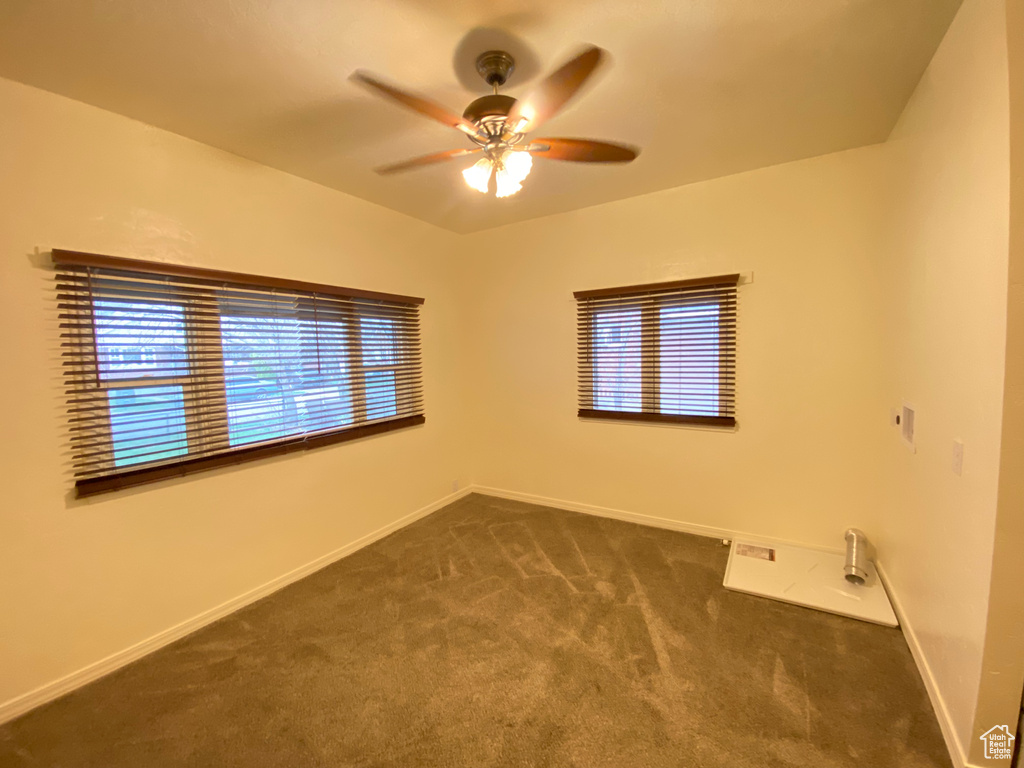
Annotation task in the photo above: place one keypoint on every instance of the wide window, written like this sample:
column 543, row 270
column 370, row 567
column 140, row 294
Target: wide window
column 171, row 370
column 661, row 352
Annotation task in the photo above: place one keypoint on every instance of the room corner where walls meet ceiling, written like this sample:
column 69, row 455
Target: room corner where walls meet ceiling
column 706, row 89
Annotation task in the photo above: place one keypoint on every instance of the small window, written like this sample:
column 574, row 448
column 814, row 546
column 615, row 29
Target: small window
column 661, row 352
column 171, row 369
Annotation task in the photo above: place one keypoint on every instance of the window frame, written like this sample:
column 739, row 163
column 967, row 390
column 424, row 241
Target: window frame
column 202, row 297
column 651, row 298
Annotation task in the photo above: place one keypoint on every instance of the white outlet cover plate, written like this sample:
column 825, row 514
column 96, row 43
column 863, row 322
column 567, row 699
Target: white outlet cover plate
column 908, row 426
column 958, row 457
column 807, row 577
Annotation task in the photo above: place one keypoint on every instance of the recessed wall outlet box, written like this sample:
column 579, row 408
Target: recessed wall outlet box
column 958, row 457
column 907, row 425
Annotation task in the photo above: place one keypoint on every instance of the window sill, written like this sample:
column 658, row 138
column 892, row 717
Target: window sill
column 726, row 422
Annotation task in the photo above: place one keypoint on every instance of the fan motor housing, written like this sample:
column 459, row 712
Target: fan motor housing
column 495, row 105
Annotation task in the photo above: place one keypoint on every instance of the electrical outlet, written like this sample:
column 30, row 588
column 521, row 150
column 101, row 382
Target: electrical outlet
column 958, row 457
column 455, row 486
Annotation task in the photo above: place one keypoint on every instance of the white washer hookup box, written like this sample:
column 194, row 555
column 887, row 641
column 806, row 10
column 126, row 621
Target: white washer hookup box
column 807, row 577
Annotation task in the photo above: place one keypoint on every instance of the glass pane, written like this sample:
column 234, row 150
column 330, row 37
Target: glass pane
column 284, row 376
column 381, row 395
column 617, row 364
column 377, row 337
column 139, row 340
column 147, row 424
column 690, row 359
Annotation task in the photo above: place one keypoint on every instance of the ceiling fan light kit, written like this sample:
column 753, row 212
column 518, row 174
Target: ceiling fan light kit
column 508, row 166
column 497, row 124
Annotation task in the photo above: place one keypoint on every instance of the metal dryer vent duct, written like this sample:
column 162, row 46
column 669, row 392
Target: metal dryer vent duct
column 856, row 566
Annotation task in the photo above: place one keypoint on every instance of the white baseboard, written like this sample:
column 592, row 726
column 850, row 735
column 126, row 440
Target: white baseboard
column 21, row 704
column 956, row 749
column 28, row 701
column 641, row 519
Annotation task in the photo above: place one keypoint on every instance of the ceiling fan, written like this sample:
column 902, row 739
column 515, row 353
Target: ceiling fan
column 497, row 124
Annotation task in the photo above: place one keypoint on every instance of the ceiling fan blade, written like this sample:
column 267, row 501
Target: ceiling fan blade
column 582, row 150
column 418, row 104
column 553, row 93
column 419, row 162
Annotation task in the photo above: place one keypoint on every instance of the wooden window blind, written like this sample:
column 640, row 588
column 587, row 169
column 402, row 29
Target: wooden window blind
column 660, row 352
column 171, row 370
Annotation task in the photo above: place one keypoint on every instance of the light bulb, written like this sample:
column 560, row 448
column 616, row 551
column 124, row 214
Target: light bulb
column 506, row 184
column 517, row 164
column 478, row 175
column 526, row 115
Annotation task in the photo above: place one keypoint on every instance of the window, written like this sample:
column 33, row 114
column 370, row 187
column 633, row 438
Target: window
column 171, row 370
column 661, row 352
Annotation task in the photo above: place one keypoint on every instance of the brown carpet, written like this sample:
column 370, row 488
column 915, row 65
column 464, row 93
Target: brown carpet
column 494, row 633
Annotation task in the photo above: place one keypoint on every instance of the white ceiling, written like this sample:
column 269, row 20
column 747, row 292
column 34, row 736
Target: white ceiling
column 706, row 87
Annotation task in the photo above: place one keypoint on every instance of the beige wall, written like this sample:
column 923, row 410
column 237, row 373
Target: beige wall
column 81, row 581
column 1002, row 676
column 944, row 306
column 800, row 464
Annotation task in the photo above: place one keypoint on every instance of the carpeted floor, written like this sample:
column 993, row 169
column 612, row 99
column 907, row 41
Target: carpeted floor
column 495, row 633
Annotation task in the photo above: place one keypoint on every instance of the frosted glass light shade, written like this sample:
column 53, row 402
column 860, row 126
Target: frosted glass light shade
column 517, row 164
column 478, row 175
column 506, row 184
